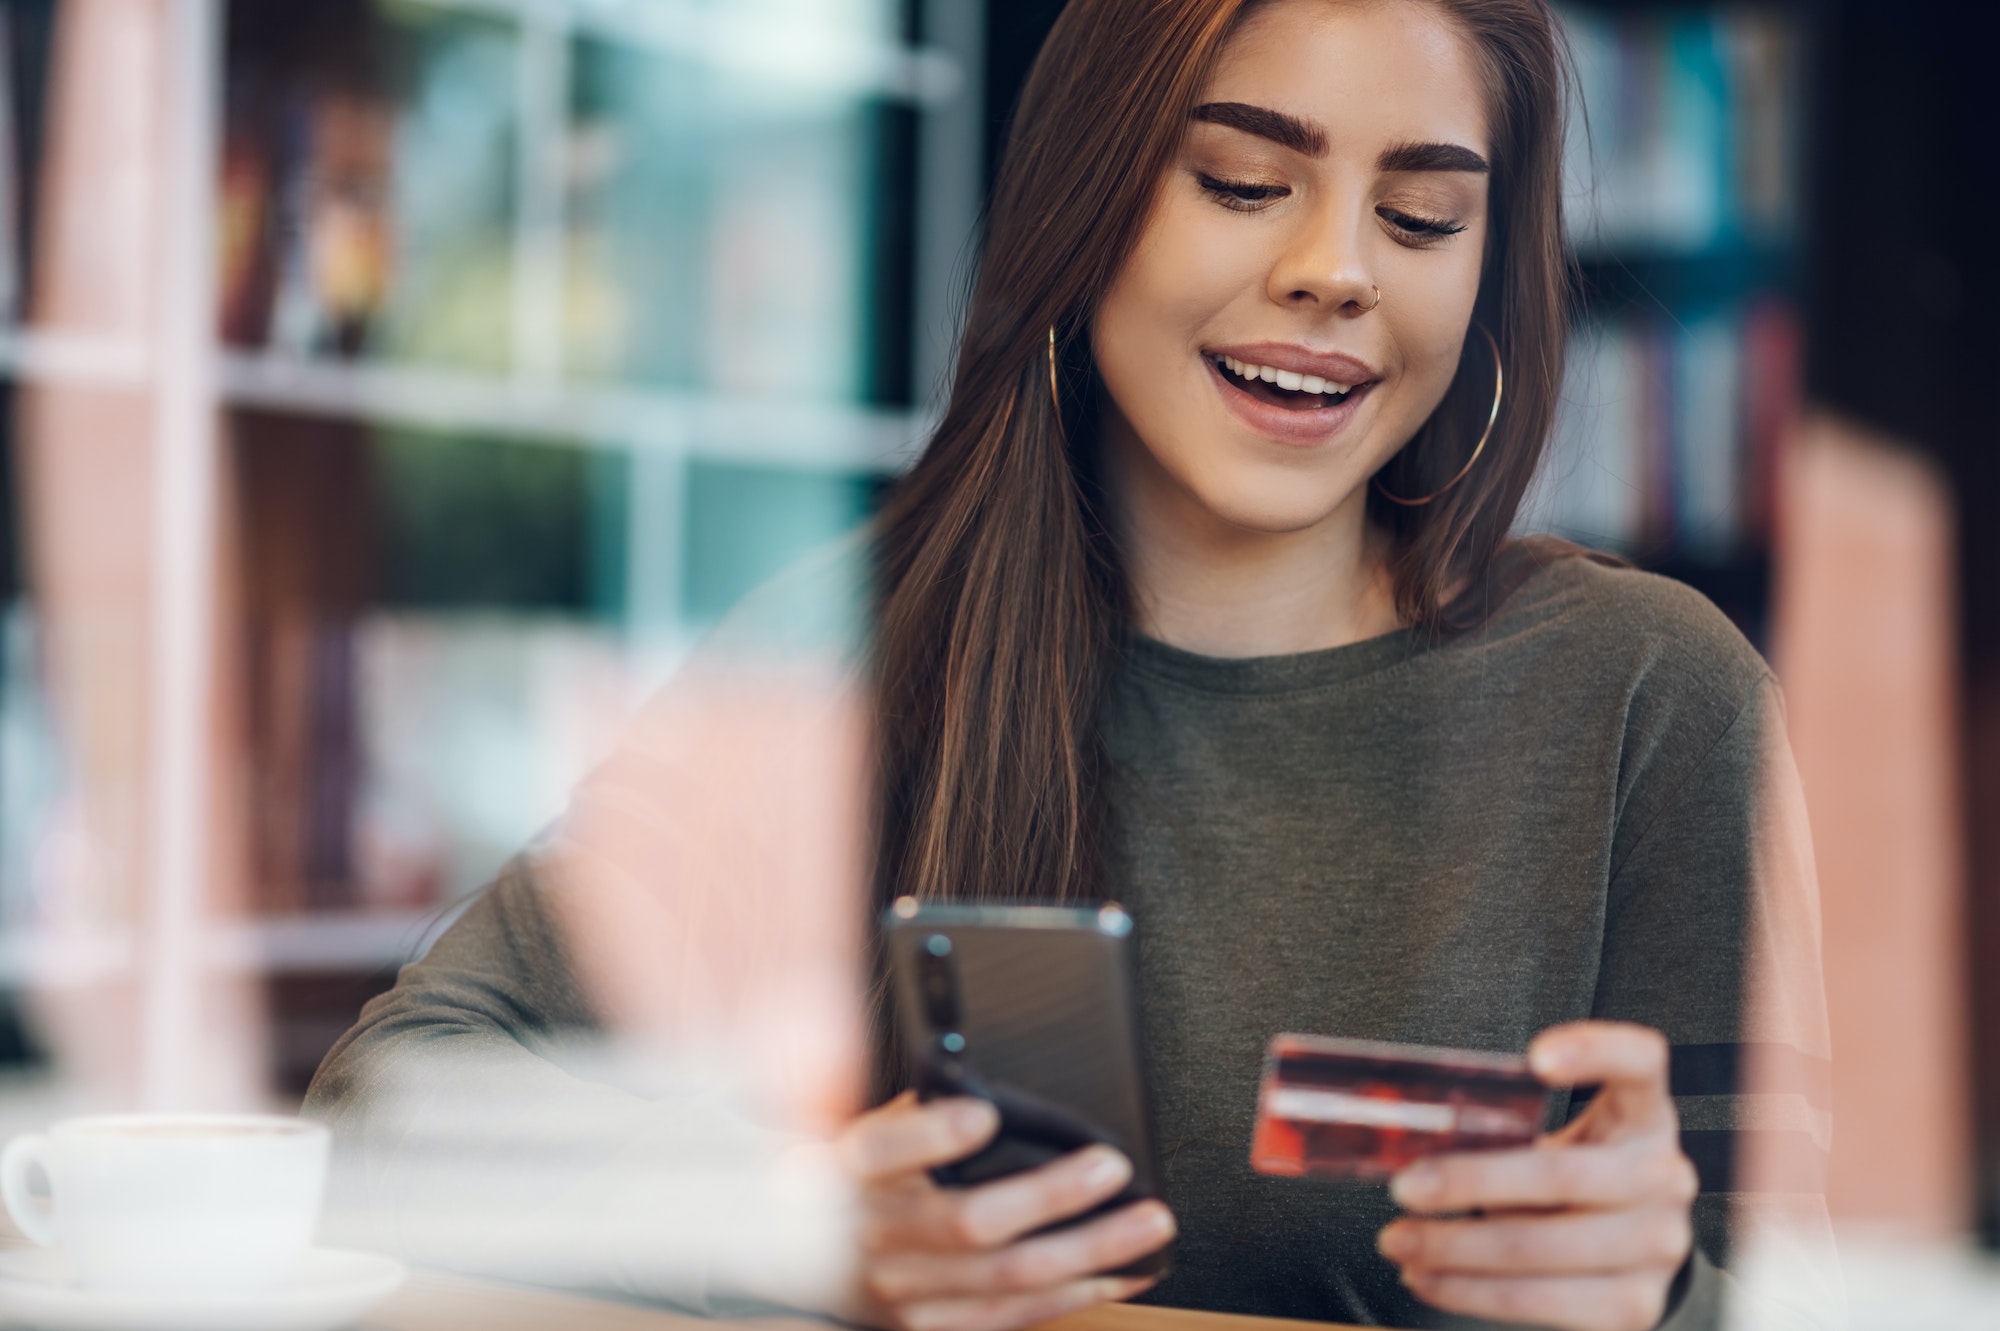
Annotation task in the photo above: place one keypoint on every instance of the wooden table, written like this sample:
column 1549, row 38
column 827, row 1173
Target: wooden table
column 431, row 1302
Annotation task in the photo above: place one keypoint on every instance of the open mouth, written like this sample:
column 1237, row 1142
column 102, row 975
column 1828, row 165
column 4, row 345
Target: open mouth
column 1284, row 388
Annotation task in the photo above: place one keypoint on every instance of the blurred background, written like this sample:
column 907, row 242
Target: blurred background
column 394, row 389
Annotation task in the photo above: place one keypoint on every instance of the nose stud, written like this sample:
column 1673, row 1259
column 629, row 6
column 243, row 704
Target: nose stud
column 1378, row 299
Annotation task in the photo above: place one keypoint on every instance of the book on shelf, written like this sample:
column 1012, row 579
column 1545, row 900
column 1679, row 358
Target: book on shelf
column 30, row 766
column 409, row 600
column 1773, row 406
column 1685, row 132
column 12, row 193
column 475, row 725
column 718, row 228
column 1669, row 433
column 366, row 196
column 424, row 749
column 334, row 251
column 305, row 760
column 1684, row 380
column 27, row 32
column 301, row 514
column 715, row 226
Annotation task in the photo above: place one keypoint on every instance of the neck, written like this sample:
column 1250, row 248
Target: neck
column 1208, row 585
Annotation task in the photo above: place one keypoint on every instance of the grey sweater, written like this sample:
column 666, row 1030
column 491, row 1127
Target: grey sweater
column 1585, row 808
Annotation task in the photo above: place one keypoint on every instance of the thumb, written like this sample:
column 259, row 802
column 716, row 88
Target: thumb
column 1626, row 1061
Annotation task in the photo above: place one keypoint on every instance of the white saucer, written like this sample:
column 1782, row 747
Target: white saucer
column 331, row 1288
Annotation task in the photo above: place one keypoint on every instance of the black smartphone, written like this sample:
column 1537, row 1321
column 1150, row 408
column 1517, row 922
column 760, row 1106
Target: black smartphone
column 1033, row 1009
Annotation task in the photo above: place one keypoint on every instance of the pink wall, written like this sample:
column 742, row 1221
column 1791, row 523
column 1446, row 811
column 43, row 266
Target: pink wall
column 1864, row 640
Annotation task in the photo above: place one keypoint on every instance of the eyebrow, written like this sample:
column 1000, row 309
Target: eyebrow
column 1301, row 136
column 1431, row 157
column 1308, row 137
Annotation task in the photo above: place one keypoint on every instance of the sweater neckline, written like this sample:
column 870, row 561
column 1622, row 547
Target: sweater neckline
column 1289, row 673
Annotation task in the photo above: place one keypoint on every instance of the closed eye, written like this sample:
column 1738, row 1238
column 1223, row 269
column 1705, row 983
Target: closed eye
column 1421, row 228
column 1240, row 196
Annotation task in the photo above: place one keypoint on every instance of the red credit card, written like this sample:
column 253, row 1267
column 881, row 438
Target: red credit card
column 1362, row 1109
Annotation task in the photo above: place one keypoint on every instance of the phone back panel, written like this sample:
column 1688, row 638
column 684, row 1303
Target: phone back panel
column 1046, row 1008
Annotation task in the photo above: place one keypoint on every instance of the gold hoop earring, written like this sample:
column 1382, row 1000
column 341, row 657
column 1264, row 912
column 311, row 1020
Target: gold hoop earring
column 1478, row 448
column 1378, row 299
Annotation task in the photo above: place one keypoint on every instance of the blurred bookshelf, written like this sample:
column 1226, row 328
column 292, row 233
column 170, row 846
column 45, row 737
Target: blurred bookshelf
column 1685, row 378
column 544, row 330
column 580, row 313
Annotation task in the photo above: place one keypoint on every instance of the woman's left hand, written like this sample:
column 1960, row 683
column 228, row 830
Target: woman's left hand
column 1585, row 1230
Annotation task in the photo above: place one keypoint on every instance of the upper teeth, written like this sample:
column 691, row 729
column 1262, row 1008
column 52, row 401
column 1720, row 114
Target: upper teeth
column 1289, row 379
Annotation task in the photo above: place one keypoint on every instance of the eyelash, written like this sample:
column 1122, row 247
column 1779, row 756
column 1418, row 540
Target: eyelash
column 1426, row 227
column 1238, row 196
column 1242, row 197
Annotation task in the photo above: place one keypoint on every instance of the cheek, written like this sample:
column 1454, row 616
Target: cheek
column 1182, row 273
column 1430, row 326
column 1431, row 355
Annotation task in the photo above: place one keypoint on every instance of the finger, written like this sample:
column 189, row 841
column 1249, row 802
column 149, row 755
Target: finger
column 994, row 1214
column 1569, row 1243
column 1636, row 1172
column 1006, row 1312
column 1627, row 1061
column 1573, row 1303
column 905, row 1136
column 1043, row 1262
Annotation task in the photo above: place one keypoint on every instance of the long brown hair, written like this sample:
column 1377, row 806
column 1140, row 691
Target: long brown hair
column 1003, row 608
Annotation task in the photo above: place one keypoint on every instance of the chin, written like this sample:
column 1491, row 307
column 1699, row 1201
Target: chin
column 1272, row 507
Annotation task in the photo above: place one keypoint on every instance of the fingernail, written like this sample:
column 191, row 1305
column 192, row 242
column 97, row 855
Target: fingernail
column 1112, row 1289
column 1415, row 1186
column 1107, row 1169
column 1158, row 1222
column 1396, row 1242
column 974, row 1118
column 1549, row 1062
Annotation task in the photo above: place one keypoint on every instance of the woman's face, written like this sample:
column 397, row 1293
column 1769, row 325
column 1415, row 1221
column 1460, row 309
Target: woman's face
column 1340, row 148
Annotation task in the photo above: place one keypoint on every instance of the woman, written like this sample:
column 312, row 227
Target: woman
column 1201, row 597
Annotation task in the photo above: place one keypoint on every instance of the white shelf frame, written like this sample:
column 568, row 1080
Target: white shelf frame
column 304, row 944
column 327, row 941
column 823, row 59
column 185, row 482
column 691, row 424
column 829, row 435
column 80, row 360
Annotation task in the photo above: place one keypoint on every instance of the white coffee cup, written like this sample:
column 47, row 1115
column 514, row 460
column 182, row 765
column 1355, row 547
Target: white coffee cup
column 172, row 1201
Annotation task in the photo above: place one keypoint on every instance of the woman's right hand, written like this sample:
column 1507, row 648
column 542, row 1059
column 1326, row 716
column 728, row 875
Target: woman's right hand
column 960, row 1259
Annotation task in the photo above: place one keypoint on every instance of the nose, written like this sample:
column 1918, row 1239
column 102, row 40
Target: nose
column 1322, row 266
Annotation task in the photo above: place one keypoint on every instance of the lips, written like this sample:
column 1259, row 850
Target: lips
column 1290, row 416
column 1284, row 388
column 1332, row 366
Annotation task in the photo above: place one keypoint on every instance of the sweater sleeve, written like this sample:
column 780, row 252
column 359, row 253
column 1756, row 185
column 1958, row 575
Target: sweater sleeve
column 1712, row 936
column 482, row 1125
column 486, row 1117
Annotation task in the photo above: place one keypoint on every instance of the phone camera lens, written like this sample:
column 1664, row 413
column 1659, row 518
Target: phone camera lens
column 938, row 945
column 939, row 987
